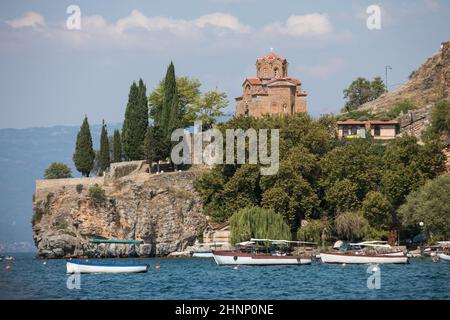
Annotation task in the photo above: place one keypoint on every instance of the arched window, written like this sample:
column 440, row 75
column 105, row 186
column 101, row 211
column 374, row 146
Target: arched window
column 276, row 73
column 285, row 110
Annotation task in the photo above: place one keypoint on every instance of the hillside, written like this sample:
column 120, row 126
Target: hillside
column 429, row 84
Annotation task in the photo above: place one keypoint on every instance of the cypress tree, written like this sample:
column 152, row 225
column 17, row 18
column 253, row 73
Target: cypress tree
column 104, row 158
column 84, row 155
column 136, row 122
column 155, row 147
column 117, row 147
column 170, row 115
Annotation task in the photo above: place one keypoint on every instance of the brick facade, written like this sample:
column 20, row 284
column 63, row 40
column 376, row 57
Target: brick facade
column 272, row 91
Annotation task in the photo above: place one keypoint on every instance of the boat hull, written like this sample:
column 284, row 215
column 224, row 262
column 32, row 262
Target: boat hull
column 85, row 267
column 239, row 258
column 444, row 256
column 361, row 259
column 202, row 254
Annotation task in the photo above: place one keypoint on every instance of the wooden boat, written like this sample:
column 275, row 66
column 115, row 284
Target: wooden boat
column 92, row 267
column 223, row 258
column 444, row 256
column 338, row 257
column 274, row 252
column 375, row 252
column 202, row 253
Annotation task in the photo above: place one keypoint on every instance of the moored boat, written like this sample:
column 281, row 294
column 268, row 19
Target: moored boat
column 338, row 257
column 92, row 267
column 272, row 252
column 444, row 256
column 244, row 258
column 202, row 253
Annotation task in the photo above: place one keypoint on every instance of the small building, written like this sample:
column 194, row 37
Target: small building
column 217, row 232
column 378, row 129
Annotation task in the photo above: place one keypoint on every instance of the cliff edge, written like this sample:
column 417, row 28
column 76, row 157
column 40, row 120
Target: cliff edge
column 163, row 211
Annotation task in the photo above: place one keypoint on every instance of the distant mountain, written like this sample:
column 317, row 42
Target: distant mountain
column 24, row 155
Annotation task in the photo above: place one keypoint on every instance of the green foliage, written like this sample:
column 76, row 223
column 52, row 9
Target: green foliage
column 117, row 147
column 97, row 194
column 79, row 188
column 350, row 225
column 400, row 107
column 356, row 115
column 343, row 195
column 57, row 170
column 104, row 157
column 170, row 115
column 188, row 92
column 361, row 91
column 440, row 118
column 431, row 205
column 255, row 222
column 315, row 230
column 37, row 216
column 206, row 109
column 84, row 155
column 155, row 146
column 135, row 123
column 377, row 209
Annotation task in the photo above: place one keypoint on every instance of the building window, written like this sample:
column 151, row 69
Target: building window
column 354, row 130
column 377, row 131
column 345, row 131
column 275, row 71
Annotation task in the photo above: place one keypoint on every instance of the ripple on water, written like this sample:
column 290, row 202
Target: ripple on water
column 203, row 279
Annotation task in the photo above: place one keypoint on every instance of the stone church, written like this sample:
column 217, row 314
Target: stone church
column 272, row 91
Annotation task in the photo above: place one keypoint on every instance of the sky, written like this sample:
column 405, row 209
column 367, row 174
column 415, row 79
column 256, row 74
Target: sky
column 51, row 75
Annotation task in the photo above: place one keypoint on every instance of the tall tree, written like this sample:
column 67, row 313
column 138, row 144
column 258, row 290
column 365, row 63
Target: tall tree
column 170, row 117
column 117, row 147
column 84, row 155
column 361, row 91
column 104, row 157
column 188, row 92
column 207, row 108
column 155, row 148
column 136, row 122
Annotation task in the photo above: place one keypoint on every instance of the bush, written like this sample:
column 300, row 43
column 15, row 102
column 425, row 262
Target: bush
column 256, row 222
column 79, row 188
column 97, row 194
column 37, row 216
column 350, row 225
column 314, row 229
column 57, row 171
column 400, row 107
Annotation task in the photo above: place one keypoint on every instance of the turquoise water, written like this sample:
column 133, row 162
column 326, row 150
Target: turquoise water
column 29, row 278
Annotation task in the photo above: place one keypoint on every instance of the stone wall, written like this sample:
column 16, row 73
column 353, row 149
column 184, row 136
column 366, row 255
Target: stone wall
column 46, row 186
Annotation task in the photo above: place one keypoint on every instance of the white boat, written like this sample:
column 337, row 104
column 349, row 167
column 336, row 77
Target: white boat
column 337, row 257
column 444, row 256
column 223, row 258
column 91, row 267
column 202, row 253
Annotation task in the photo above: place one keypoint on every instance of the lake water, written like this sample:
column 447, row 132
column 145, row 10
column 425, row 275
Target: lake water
column 30, row 278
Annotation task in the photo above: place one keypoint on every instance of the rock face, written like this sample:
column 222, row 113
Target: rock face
column 430, row 83
column 164, row 211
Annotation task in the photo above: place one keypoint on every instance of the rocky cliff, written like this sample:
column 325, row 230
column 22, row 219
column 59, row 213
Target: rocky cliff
column 428, row 84
column 164, row 211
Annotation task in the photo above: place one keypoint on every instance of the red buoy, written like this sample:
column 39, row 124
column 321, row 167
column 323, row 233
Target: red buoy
column 8, row 267
column 157, row 267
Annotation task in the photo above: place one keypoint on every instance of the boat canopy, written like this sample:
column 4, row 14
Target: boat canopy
column 280, row 241
column 376, row 243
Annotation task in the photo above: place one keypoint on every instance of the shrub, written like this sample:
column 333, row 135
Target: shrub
column 256, row 222
column 57, row 170
column 350, row 225
column 313, row 230
column 97, row 194
column 37, row 216
column 79, row 188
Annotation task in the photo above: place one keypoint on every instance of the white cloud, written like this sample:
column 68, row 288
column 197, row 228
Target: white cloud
column 314, row 24
column 221, row 20
column 29, row 19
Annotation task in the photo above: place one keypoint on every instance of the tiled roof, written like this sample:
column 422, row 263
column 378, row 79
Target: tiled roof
column 354, row 122
column 272, row 55
column 253, row 80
